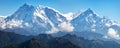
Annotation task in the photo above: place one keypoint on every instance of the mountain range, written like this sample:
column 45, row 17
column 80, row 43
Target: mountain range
column 34, row 20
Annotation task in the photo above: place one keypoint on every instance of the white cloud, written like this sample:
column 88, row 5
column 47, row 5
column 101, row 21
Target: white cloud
column 69, row 16
column 67, row 27
column 26, row 24
column 14, row 23
column 108, row 25
column 93, row 30
column 53, row 30
column 112, row 33
column 11, row 24
column 105, row 37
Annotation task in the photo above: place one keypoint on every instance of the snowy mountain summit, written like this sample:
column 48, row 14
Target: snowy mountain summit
column 32, row 20
column 91, row 22
column 29, row 20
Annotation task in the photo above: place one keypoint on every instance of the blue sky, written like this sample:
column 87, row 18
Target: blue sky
column 110, row 8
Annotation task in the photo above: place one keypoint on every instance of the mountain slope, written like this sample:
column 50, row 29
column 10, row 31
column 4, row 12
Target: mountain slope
column 8, row 38
column 85, row 43
column 66, row 41
column 91, row 22
column 32, row 20
column 39, row 43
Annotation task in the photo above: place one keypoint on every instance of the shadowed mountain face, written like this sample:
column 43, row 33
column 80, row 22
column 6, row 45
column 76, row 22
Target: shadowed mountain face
column 7, row 38
column 84, row 43
column 61, row 43
column 47, row 41
column 33, row 43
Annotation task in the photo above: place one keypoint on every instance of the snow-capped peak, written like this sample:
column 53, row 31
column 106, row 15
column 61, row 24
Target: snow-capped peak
column 24, row 12
column 53, row 9
column 26, row 6
column 90, row 21
column 89, row 11
column 33, row 20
